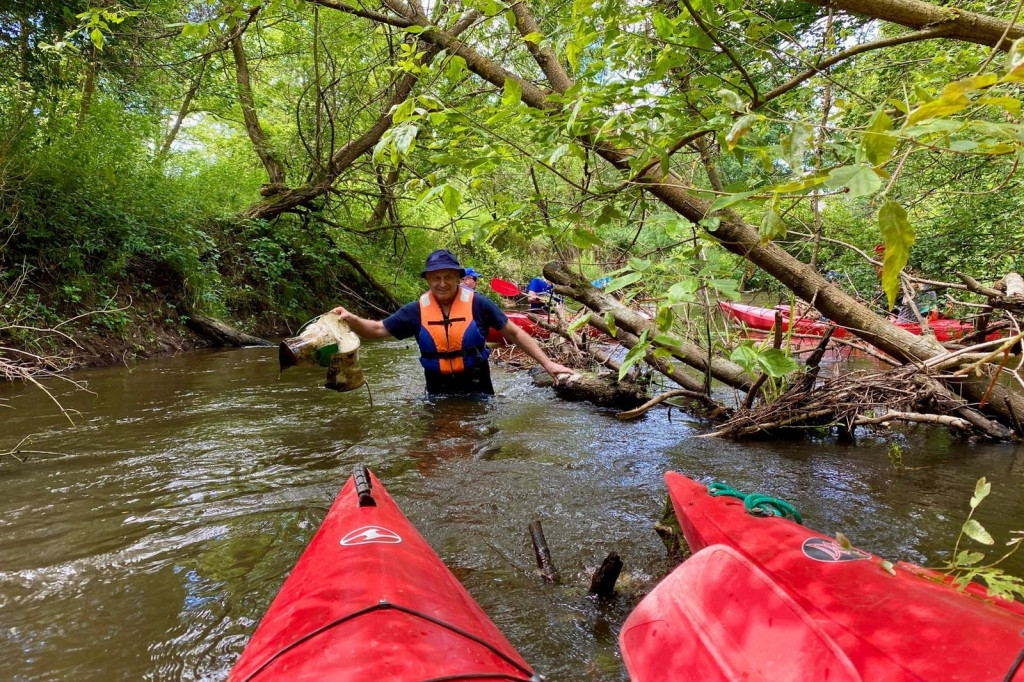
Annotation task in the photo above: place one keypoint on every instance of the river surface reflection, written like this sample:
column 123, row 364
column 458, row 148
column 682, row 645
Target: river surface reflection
column 149, row 544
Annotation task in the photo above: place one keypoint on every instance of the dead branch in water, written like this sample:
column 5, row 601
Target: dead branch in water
column 862, row 399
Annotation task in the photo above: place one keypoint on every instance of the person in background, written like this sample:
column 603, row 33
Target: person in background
column 538, row 289
column 450, row 323
column 470, row 279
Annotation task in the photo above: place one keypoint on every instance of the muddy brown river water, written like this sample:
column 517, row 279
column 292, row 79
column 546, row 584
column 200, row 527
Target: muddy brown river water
column 149, row 543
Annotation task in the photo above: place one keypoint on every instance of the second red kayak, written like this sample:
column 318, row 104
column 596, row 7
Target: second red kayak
column 369, row 600
column 768, row 599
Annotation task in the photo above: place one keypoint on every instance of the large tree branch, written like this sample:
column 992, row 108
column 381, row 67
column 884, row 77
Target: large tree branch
column 275, row 169
column 348, row 153
column 967, row 26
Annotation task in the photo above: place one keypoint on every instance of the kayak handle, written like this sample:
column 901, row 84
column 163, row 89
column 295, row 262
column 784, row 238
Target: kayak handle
column 363, row 486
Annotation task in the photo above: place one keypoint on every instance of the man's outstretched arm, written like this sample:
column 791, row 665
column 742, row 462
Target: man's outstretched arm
column 364, row 328
column 528, row 345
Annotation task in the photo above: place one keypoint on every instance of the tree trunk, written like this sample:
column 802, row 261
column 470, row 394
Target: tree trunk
column 221, row 334
column 629, row 320
column 275, row 171
column 183, row 112
column 88, row 91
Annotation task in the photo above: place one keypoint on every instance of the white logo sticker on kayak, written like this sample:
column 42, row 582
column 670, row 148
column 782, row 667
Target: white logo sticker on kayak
column 368, row 535
column 830, row 551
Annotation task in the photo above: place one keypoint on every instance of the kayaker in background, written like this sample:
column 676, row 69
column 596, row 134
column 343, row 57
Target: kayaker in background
column 450, row 324
column 470, row 279
column 538, row 290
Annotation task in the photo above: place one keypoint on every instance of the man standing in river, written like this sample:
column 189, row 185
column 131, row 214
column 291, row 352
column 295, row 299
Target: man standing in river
column 450, row 323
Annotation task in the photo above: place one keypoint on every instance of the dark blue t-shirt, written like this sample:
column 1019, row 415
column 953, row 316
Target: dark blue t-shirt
column 539, row 286
column 406, row 322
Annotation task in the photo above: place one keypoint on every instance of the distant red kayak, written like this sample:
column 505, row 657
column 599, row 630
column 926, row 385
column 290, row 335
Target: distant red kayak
column 763, row 319
column 768, row 599
column 523, row 321
column 369, row 600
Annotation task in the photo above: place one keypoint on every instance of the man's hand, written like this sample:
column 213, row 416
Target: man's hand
column 560, row 373
column 366, row 329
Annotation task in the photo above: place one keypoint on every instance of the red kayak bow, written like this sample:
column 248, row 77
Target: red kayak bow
column 369, row 600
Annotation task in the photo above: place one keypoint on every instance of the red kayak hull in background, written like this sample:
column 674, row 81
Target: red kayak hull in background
column 523, row 321
column 369, row 600
column 768, row 599
column 763, row 319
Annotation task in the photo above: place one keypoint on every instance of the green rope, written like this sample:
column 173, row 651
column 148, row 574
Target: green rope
column 757, row 503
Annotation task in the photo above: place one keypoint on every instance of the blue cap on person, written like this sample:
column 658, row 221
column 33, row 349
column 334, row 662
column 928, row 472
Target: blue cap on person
column 442, row 259
column 470, row 272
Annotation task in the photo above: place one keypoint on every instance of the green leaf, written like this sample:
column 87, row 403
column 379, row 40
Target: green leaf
column 966, row 85
column 663, row 26
column 609, row 320
column 898, row 234
column 795, row 144
column 745, row 356
column 635, row 355
column 683, row 291
column 584, row 239
column 800, row 184
column 729, row 199
column 877, row 144
column 664, row 318
column 579, row 322
column 728, row 287
column 624, row 281
column 772, row 225
column 451, row 197
column 534, row 37
column 455, row 67
column 402, row 111
column 96, row 36
column 739, row 129
column 512, row 93
column 1015, row 63
column 861, row 180
column 977, row 532
column 557, row 153
column 938, row 107
column 639, row 264
column 967, row 558
column 981, row 490
column 776, row 363
column 1011, row 105
column 573, row 50
column 732, row 100
column 888, row 567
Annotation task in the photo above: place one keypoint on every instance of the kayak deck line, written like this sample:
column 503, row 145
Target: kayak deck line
column 384, row 605
column 369, row 601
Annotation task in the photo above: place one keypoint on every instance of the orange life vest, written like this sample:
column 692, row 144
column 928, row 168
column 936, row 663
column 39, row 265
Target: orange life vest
column 450, row 343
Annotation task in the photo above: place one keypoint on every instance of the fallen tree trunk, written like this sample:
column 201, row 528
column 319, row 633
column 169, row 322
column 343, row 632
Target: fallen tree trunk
column 601, row 390
column 696, row 392
column 221, row 334
column 570, row 284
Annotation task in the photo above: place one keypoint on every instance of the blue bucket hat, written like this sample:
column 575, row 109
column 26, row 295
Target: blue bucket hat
column 470, row 272
column 442, row 259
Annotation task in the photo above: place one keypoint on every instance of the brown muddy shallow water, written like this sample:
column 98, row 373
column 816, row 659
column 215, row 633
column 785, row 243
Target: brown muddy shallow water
column 149, row 545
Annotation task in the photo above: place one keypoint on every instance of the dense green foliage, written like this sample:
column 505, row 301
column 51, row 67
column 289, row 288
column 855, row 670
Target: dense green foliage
column 914, row 145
